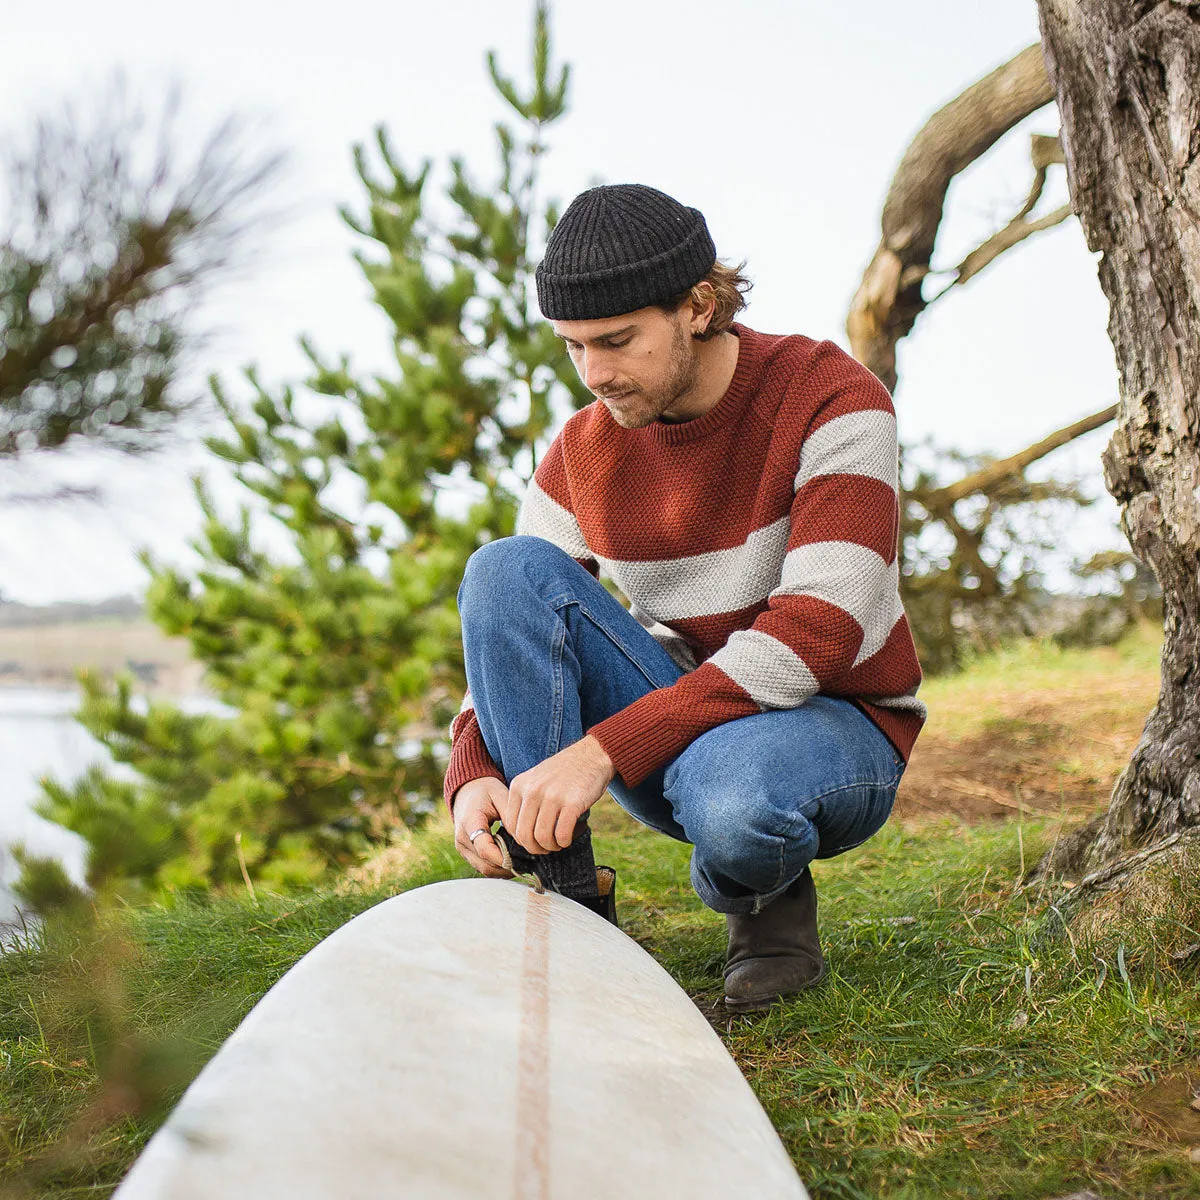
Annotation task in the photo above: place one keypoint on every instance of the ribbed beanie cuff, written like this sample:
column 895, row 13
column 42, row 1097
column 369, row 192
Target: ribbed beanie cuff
column 619, row 248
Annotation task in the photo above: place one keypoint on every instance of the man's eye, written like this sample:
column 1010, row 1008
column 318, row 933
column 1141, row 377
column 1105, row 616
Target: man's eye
column 620, row 345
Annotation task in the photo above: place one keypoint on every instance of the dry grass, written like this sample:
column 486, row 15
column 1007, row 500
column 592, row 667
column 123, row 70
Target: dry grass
column 1033, row 730
column 407, row 854
column 1152, row 909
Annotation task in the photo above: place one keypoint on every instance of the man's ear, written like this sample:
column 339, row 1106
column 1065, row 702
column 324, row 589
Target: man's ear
column 704, row 304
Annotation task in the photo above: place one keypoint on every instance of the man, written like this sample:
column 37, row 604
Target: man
column 757, row 700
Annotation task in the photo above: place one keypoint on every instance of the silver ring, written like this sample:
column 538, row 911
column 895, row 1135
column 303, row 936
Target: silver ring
column 473, row 836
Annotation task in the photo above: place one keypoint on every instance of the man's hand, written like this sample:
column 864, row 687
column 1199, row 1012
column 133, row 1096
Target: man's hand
column 477, row 804
column 544, row 803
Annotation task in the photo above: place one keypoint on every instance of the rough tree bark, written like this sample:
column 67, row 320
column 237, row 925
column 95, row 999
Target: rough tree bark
column 1127, row 78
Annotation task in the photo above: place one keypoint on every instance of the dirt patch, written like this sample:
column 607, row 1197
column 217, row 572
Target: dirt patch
column 1170, row 1106
column 1038, row 753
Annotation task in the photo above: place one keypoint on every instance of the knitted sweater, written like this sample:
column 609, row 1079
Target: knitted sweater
column 757, row 543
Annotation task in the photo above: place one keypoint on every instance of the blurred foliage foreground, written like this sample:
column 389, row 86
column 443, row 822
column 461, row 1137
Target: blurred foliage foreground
column 339, row 661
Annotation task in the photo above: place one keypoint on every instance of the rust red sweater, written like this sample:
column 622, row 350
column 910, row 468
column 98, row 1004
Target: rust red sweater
column 757, row 543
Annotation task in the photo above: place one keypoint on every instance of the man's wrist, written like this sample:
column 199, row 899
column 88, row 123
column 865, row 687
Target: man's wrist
column 600, row 755
column 463, row 787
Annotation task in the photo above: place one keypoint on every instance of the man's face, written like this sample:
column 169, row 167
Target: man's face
column 639, row 364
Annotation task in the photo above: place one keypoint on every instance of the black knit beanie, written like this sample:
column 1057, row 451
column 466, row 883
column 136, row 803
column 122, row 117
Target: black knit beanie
column 618, row 248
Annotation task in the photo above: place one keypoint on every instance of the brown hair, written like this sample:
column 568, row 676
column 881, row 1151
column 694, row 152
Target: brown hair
column 730, row 287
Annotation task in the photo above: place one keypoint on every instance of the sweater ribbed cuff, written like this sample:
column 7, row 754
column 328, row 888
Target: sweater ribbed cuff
column 469, row 759
column 637, row 741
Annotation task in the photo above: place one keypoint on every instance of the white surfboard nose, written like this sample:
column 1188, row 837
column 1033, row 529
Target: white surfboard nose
column 469, row 1039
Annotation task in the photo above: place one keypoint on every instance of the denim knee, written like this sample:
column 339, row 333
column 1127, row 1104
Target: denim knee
column 758, row 848
column 501, row 568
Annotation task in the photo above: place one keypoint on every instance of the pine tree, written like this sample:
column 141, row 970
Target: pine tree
column 101, row 260
column 344, row 665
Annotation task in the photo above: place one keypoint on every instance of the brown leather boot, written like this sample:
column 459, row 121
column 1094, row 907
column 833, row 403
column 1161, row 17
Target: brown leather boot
column 775, row 952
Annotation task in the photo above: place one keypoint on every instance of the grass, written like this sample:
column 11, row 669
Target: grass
column 964, row 703
column 1035, row 726
column 959, row 1047
column 956, row 1049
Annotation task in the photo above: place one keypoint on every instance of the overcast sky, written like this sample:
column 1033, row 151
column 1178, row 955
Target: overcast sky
column 782, row 121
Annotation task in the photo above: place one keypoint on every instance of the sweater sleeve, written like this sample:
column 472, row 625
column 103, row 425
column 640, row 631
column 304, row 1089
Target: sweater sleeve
column 835, row 603
column 545, row 512
column 469, row 757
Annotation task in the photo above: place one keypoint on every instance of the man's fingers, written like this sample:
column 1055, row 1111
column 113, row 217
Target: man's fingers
column 526, row 822
column 482, row 865
column 483, row 855
column 485, row 848
column 510, row 810
column 564, row 829
column 544, row 827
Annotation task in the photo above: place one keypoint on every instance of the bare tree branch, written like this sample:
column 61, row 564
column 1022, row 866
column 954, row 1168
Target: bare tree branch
column 1044, row 152
column 889, row 298
column 1012, row 234
column 970, row 544
column 981, row 481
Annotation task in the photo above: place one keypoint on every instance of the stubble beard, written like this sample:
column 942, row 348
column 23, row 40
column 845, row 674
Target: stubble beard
column 683, row 368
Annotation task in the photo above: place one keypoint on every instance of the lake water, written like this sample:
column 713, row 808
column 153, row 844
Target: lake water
column 39, row 736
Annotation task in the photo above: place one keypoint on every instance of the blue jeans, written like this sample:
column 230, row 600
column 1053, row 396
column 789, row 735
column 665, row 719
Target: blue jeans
column 550, row 652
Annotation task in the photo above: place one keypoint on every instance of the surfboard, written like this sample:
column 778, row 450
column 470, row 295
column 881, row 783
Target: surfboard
column 469, row 1039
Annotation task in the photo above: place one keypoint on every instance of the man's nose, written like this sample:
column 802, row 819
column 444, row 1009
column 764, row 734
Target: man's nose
column 597, row 370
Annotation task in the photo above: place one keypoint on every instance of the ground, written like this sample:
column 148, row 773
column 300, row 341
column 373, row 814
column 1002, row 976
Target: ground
column 47, row 653
column 968, row 1042
column 1033, row 730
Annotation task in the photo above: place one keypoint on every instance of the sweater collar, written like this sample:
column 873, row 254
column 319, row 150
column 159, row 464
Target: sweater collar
column 674, row 433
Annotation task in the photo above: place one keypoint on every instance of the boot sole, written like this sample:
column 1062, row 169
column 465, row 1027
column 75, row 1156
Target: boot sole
column 760, row 1003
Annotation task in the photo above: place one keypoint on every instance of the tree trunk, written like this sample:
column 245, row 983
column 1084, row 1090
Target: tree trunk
column 1127, row 78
